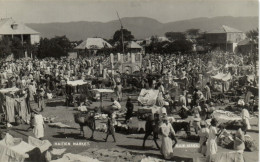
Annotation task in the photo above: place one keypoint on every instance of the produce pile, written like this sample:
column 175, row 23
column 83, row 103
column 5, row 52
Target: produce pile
column 250, row 144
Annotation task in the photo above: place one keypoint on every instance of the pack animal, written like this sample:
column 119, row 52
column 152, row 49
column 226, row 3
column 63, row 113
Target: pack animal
column 178, row 126
column 152, row 126
column 86, row 119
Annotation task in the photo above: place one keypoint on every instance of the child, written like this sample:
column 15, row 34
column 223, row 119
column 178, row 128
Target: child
column 110, row 127
column 38, row 129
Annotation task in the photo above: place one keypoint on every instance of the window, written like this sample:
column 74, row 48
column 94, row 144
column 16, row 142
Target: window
column 14, row 26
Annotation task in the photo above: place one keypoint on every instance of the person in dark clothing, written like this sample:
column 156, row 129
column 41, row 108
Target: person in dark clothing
column 130, row 107
column 110, row 127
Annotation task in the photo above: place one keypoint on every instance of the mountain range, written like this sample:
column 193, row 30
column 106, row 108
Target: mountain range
column 141, row 27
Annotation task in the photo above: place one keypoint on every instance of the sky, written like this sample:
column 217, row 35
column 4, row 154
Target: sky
column 39, row 11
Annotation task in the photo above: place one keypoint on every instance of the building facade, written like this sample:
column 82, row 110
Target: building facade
column 225, row 38
column 11, row 29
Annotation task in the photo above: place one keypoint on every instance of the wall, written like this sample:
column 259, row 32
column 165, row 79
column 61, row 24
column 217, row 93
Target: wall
column 215, row 37
column 35, row 39
column 235, row 37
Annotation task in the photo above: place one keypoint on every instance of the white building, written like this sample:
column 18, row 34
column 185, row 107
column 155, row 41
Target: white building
column 10, row 28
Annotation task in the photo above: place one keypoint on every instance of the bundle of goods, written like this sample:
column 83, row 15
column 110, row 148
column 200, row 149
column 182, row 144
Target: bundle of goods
column 48, row 119
column 136, row 126
column 226, row 139
column 119, row 114
column 233, row 124
column 144, row 112
column 81, row 118
column 225, row 116
column 122, row 128
column 101, row 128
column 100, row 116
column 231, row 108
column 250, row 144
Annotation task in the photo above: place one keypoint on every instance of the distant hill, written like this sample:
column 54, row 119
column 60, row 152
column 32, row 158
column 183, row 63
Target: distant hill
column 141, row 27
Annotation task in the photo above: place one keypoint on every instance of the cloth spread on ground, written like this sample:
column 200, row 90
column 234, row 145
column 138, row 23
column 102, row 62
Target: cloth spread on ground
column 76, row 82
column 42, row 145
column 148, row 97
column 74, row 157
column 150, row 159
column 6, row 90
column 104, row 90
column 225, row 116
column 59, row 125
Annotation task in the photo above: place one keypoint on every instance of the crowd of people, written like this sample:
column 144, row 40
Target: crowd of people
column 190, row 76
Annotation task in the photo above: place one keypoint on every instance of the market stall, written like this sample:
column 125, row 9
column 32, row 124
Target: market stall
column 102, row 91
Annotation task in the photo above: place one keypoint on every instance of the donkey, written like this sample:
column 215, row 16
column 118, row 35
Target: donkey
column 152, row 126
column 86, row 119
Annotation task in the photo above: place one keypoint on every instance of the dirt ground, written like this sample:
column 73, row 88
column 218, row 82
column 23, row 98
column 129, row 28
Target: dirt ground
column 130, row 144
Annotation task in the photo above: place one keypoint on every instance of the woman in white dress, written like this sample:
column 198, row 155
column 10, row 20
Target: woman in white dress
column 38, row 129
column 167, row 147
column 212, row 146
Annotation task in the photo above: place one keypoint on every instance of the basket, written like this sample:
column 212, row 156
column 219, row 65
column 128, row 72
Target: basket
column 79, row 118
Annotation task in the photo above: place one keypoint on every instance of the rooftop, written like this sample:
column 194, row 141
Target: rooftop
column 225, row 29
column 10, row 27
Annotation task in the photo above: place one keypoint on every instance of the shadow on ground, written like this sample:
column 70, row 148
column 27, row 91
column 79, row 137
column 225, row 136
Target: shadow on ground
column 135, row 147
column 75, row 136
column 55, row 103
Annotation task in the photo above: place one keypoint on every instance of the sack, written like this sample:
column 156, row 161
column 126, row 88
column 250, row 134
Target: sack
column 18, row 120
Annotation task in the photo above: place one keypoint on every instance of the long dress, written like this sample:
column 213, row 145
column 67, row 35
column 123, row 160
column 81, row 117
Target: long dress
column 203, row 134
column 207, row 94
column 166, row 147
column 38, row 126
column 212, row 147
column 32, row 91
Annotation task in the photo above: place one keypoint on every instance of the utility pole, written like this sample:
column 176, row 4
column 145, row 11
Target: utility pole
column 122, row 34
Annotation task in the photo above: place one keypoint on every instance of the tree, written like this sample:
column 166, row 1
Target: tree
column 193, row 33
column 127, row 35
column 252, row 34
column 31, row 49
column 17, row 48
column 117, row 38
column 54, row 47
column 179, row 46
column 154, row 39
column 175, row 36
column 5, row 47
